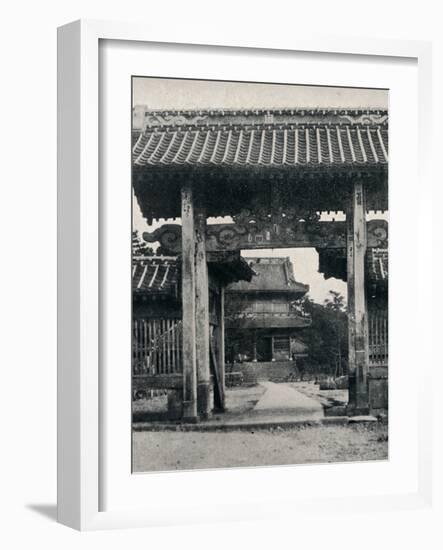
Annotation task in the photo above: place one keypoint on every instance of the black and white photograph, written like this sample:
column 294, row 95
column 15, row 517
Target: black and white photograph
column 221, row 275
column 260, row 273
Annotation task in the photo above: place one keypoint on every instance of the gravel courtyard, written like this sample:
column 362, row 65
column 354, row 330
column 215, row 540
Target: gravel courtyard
column 156, row 451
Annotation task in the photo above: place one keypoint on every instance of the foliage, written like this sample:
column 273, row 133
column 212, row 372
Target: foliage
column 327, row 337
column 139, row 247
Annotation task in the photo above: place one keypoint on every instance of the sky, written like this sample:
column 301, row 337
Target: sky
column 162, row 93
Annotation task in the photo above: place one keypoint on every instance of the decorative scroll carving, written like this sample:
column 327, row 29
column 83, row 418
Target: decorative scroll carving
column 377, row 234
column 169, row 236
column 279, row 218
column 260, row 234
column 278, row 225
column 365, row 119
column 173, row 120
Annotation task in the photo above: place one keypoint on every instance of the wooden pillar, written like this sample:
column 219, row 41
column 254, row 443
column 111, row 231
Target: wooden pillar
column 202, row 316
column 188, row 306
column 219, row 338
column 358, row 359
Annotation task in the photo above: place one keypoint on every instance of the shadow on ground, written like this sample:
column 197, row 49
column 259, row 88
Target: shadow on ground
column 49, row 511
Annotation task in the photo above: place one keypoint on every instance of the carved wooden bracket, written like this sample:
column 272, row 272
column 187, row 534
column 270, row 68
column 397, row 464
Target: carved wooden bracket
column 265, row 234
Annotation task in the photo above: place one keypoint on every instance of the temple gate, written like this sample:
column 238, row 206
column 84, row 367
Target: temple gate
column 274, row 173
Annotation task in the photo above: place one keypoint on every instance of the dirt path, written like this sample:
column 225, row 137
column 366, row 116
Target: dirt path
column 155, row 451
column 326, row 397
column 284, row 398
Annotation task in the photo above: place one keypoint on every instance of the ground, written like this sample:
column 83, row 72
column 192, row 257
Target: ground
column 267, row 424
column 243, row 402
column 154, row 451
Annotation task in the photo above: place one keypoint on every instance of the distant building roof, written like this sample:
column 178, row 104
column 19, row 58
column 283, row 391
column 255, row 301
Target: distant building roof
column 377, row 273
column 377, row 264
column 160, row 275
column 155, row 275
column 271, row 275
column 333, row 263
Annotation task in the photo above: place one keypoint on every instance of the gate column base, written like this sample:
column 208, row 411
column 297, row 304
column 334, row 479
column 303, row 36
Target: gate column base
column 188, row 415
column 204, row 400
column 354, row 411
column 175, row 404
column 358, row 404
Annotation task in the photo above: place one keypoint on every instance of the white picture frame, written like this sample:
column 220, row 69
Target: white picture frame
column 80, row 260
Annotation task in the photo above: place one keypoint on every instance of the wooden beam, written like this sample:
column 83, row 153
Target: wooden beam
column 188, row 305
column 219, row 384
column 202, row 316
column 232, row 236
column 358, row 360
column 219, row 337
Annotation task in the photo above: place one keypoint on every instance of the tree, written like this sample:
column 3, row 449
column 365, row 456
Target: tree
column 139, row 247
column 337, row 304
column 326, row 337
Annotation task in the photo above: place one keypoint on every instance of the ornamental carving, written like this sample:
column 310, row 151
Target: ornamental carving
column 173, row 120
column 259, row 232
column 169, row 236
column 365, row 119
column 278, row 224
column 377, row 233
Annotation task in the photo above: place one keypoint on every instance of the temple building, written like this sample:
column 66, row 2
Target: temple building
column 264, row 318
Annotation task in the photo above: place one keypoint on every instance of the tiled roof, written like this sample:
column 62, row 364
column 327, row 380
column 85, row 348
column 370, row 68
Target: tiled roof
column 229, row 266
column 332, row 263
column 272, row 275
column 377, row 264
column 307, row 143
column 154, row 275
column 161, row 274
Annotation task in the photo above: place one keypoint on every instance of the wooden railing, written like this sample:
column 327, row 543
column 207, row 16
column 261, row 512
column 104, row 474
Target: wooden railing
column 378, row 338
column 157, row 347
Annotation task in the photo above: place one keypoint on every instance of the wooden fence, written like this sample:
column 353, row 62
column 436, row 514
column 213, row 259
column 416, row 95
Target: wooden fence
column 157, row 347
column 378, row 338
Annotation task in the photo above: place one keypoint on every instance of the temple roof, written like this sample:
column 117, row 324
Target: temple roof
column 233, row 157
column 160, row 275
column 154, row 275
column 332, row 263
column 308, row 142
column 272, row 275
column 377, row 265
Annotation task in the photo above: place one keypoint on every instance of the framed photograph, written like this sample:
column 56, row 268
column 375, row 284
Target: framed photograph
column 234, row 230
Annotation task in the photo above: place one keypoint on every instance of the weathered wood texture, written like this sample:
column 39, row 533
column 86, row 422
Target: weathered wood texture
column 219, row 383
column 202, row 316
column 219, row 341
column 232, row 236
column 357, row 308
column 188, row 305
